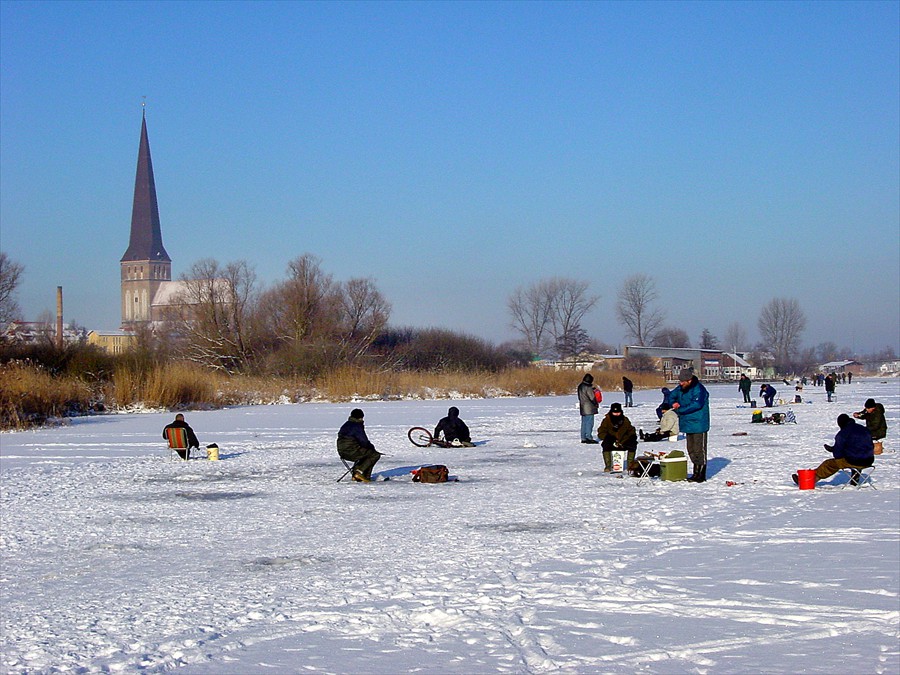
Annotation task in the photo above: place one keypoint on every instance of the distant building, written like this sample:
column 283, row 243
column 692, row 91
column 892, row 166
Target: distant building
column 735, row 365
column 889, row 368
column 114, row 342
column 40, row 332
column 839, row 367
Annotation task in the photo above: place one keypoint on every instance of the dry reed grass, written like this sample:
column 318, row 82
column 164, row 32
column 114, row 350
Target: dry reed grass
column 29, row 395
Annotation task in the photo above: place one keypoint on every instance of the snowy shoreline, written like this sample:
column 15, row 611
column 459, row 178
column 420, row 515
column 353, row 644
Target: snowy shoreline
column 116, row 559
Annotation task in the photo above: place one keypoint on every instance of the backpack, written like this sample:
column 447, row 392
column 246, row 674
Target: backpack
column 437, row 473
column 757, row 416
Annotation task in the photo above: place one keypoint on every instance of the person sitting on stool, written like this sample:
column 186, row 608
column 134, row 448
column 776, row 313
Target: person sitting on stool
column 354, row 446
column 616, row 433
column 852, row 449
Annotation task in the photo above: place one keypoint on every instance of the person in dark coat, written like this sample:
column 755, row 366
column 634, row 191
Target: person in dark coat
column 767, row 393
column 829, row 386
column 454, row 429
column 744, row 385
column 873, row 414
column 616, row 433
column 628, row 388
column 353, row 445
column 852, row 449
column 179, row 423
column 588, row 401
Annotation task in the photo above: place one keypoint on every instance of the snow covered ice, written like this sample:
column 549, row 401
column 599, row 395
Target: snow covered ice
column 116, row 559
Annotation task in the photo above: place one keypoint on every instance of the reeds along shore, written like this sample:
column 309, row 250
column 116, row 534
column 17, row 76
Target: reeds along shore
column 29, row 396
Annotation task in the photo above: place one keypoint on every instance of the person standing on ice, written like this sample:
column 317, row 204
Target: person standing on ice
column 192, row 441
column 767, row 393
column 852, row 449
column 589, row 398
column 690, row 401
column 744, row 385
column 616, row 432
column 829, row 386
column 454, row 429
column 354, row 446
column 628, row 388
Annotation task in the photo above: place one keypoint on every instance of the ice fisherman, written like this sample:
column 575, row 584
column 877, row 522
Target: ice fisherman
column 668, row 426
column 873, row 414
column 192, row 441
column 454, row 429
column 852, row 449
column 628, row 388
column 589, row 398
column 744, row 385
column 767, row 392
column 690, row 401
column 616, row 433
column 659, row 409
column 353, row 445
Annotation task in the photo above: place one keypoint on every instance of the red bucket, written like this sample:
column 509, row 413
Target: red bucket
column 806, row 479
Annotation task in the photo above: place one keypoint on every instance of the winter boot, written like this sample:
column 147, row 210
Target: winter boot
column 607, row 461
column 699, row 475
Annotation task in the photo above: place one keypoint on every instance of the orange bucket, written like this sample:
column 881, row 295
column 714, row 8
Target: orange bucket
column 806, row 479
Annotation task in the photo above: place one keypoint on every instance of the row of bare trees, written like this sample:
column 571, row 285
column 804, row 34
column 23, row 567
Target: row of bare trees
column 548, row 316
column 223, row 319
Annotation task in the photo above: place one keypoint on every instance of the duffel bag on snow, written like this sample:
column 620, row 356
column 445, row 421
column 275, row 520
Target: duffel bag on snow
column 437, row 473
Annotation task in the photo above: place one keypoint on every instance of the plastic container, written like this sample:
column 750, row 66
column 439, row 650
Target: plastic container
column 673, row 468
column 212, row 452
column 806, row 479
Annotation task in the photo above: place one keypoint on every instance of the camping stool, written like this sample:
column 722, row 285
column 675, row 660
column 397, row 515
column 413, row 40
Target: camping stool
column 646, row 465
column 177, row 438
column 348, row 466
column 864, row 477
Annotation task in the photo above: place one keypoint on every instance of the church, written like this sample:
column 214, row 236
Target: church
column 146, row 269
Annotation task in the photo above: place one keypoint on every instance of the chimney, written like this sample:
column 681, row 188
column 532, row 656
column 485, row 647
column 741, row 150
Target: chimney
column 59, row 318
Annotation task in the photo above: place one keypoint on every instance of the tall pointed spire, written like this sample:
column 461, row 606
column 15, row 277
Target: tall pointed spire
column 146, row 235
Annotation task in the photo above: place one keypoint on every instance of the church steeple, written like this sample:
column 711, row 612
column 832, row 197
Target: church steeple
column 146, row 266
column 146, row 235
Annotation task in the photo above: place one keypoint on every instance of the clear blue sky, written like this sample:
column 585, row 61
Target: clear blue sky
column 734, row 151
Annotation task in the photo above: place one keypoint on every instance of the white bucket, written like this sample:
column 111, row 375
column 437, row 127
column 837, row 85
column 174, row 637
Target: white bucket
column 212, row 452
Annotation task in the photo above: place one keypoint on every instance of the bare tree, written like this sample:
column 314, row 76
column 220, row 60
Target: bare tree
column 671, row 337
column 571, row 302
column 736, row 337
column 781, row 322
column 364, row 313
column 10, row 277
column 212, row 314
column 548, row 313
column 531, row 308
column 635, row 311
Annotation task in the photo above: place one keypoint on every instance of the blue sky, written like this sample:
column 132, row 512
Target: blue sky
column 735, row 152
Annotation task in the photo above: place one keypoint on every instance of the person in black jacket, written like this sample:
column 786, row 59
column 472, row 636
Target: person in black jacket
column 628, row 388
column 354, row 446
column 179, row 423
column 873, row 414
column 454, row 429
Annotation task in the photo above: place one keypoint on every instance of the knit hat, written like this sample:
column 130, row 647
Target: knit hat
column 870, row 403
column 687, row 374
column 844, row 420
column 357, row 413
column 615, row 407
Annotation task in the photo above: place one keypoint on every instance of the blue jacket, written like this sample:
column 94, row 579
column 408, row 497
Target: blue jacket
column 693, row 411
column 854, row 443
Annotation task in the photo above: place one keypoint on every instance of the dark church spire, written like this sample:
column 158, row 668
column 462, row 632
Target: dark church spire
column 146, row 235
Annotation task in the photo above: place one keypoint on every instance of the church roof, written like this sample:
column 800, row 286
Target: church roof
column 146, row 236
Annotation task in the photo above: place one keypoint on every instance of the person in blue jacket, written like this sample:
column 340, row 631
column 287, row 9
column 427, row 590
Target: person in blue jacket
column 690, row 401
column 767, row 392
column 665, row 401
column 853, row 449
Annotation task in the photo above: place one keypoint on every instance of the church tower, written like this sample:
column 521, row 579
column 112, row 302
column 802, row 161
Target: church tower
column 146, row 265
